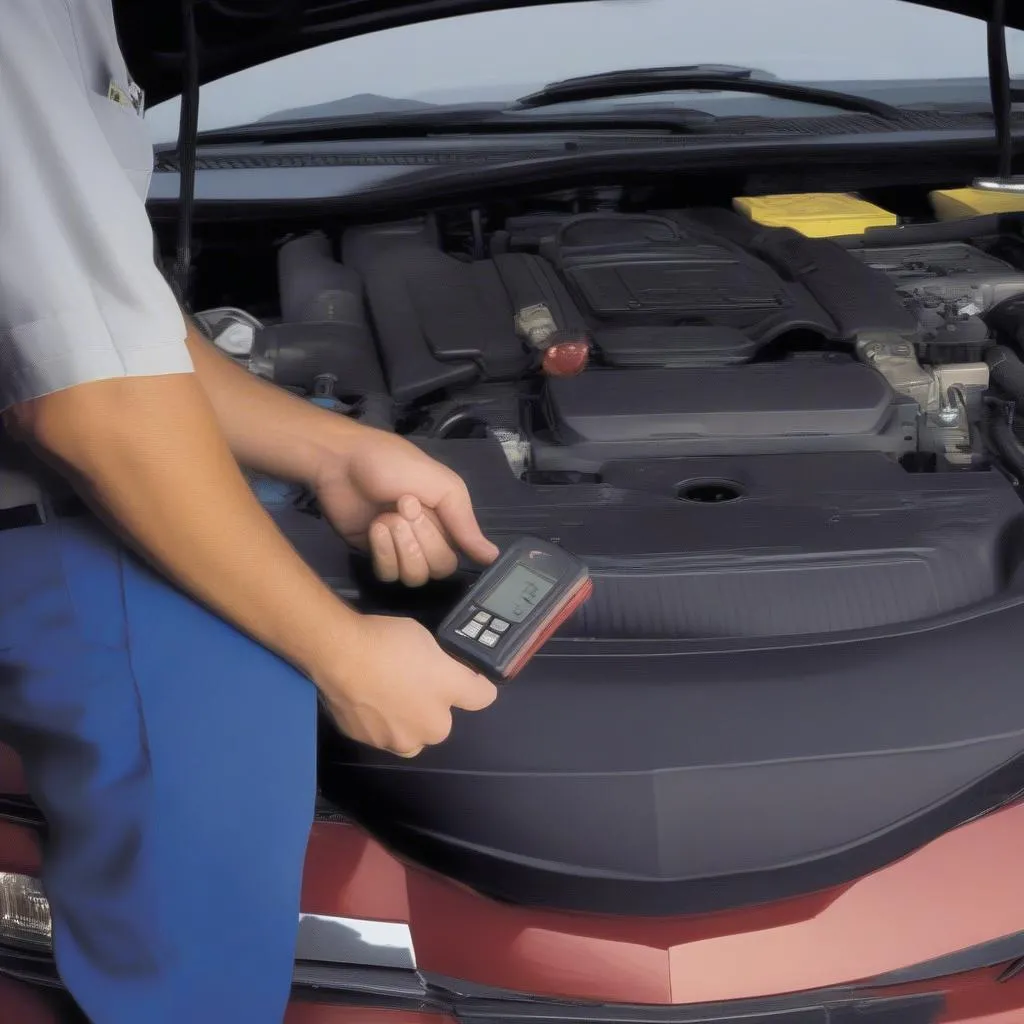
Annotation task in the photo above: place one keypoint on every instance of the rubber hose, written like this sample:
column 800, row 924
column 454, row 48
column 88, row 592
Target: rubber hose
column 461, row 414
column 1006, row 370
column 1004, row 440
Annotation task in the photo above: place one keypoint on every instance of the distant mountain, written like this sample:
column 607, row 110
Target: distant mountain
column 364, row 103
column 478, row 94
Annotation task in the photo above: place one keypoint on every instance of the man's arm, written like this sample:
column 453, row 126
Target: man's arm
column 267, row 428
column 148, row 453
column 96, row 376
column 94, row 370
column 378, row 490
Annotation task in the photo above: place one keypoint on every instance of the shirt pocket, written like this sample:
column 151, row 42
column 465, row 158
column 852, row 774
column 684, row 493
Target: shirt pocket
column 128, row 138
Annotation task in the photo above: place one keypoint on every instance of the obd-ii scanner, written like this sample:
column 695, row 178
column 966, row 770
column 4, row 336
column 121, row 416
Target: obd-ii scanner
column 515, row 607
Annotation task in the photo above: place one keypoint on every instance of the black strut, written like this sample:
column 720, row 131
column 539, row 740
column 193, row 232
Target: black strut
column 1001, row 86
column 188, row 128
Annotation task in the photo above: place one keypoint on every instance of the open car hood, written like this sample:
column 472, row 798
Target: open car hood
column 236, row 34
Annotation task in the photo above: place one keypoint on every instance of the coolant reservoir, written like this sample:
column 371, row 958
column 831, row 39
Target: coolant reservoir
column 957, row 203
column 816, row 214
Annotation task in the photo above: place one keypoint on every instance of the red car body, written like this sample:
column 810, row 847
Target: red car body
column 933, row 923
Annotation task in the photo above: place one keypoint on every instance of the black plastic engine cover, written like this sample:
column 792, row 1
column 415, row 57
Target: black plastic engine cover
column 440, row 322
column 727, row 763
column 788, row 399
column 680, row 289
column 799, row 405
column 858, row 297
column 650, row 270
column 640, row 345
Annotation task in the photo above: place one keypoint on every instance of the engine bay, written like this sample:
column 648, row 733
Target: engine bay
column 702, row 333
column 748, row 430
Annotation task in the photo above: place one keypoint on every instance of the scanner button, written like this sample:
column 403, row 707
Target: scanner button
column 489, row 639
column 482, row 617
column 471, row 629
column 499, row 625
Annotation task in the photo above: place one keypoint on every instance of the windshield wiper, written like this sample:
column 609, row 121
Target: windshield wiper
column 455, row 120
column 527, row 114
column 718, row 77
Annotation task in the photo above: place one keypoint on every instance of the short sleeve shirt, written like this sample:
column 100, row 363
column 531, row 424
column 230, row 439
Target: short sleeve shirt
column 81, row 297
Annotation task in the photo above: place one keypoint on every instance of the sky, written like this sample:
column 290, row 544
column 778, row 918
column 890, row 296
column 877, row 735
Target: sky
column 506, row 53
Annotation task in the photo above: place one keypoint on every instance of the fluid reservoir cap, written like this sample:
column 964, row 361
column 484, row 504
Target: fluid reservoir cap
column 236, row 339
column 566, row 358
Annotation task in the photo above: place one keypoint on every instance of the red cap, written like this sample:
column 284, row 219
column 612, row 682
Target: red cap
column 566, row 358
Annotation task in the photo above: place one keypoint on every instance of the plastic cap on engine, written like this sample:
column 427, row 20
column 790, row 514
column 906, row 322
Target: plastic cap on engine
column 566, row 357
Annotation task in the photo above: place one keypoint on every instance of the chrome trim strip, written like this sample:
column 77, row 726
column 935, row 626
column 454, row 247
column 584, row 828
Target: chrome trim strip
column 347, row 940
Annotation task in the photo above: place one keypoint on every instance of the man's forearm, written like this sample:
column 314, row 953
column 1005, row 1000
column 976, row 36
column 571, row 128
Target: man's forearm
column 267, row 428
column 150, row 454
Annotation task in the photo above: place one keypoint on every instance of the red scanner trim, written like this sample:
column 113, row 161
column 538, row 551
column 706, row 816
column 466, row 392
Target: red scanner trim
column 557, row 616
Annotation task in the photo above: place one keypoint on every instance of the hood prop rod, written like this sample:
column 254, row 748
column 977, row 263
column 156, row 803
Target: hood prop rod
column 1001, row 87
column 999, row 80
column 188, row 130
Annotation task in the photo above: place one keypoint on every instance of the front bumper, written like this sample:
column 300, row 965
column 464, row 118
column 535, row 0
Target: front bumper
column 936, row 938
column 331, row 996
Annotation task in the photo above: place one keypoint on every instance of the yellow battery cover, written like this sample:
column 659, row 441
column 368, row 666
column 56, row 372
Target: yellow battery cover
column 816, row 214
column 956, row 203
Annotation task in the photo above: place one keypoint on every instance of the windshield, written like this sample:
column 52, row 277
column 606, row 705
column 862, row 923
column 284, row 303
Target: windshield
column 857, row 45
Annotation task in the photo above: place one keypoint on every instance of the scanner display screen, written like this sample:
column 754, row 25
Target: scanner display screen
column 517, row 594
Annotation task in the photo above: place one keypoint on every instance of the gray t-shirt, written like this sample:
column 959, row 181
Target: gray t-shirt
column 81, row 298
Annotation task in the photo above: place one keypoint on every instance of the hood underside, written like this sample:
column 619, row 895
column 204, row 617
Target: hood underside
column 236, row 34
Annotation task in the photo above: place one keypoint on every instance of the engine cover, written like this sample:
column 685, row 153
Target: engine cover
column 662, row 291
column 801, row 405
column 670, row 290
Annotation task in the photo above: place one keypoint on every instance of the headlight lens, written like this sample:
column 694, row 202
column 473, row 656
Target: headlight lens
column 25, row 921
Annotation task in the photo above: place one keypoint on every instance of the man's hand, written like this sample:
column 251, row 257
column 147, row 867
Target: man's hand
column 396, row 688
column 385, row 680
column 380, row 492
column 412, row 513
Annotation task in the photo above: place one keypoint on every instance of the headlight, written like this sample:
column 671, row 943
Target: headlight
column 24, row 914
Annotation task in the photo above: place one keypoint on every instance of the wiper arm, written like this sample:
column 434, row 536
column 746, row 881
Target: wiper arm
column 719, row 77
column 342, row 126
column 422, row 123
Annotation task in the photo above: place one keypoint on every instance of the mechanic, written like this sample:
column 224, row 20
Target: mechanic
column 160, row 659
